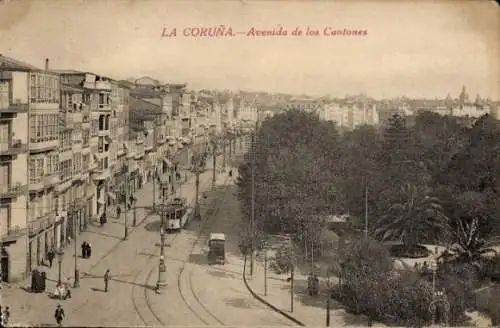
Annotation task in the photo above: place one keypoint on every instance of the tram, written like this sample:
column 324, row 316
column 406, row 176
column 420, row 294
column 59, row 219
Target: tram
column 178, row 214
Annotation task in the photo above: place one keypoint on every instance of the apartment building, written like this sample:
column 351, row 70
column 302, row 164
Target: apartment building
column 120, row 95
column 29, row 142
column 99, row 90
column 74, row 191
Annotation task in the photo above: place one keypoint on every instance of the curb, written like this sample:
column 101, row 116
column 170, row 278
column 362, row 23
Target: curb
column 263, row 301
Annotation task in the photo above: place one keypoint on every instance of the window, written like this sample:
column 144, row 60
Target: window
column 100, row 144
column 94, row 128
column 44, row 127
column 4, row 135
column 77, row 133
column 4, row 176
column 36, row 168
column 85, row 162
column 65, row 140
column 4, row 94
column 39, row 205
column 5, row 214
column 77, row 162
column 104, row 100
column 66, row 169
column 86, row 137
column 44, row 88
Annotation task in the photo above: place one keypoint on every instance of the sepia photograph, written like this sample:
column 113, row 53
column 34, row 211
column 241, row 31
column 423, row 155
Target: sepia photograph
column 246, row 163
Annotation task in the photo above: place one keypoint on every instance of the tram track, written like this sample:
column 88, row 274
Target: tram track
column 153, row 318
column 214, row 210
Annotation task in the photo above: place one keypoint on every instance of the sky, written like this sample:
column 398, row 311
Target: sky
column 425, row 49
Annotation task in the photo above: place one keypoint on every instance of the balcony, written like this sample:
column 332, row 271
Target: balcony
column 101, row 174
column 106, row 107
column 15, row 147
column 41, row 224
column 66, row 121
column 11, row 190
column 12, row 234
column 43, row 182
column 15, row 108
column 103, row 133
column 46, row 145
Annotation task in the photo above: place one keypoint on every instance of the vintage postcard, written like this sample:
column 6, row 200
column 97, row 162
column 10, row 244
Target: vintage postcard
column 249, row 163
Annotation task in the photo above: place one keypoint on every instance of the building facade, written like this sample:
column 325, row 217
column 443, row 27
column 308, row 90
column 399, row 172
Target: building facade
column 29, row 132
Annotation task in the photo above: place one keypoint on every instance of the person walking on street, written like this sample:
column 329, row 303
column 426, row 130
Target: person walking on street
column 89, row 250
column 84, row 249
column 51, row 255
column 59, row 315
column 107, row 277
column 5, row 316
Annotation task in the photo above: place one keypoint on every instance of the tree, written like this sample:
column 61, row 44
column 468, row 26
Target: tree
column 414, row 218
column 284, row 260
column 293, row 169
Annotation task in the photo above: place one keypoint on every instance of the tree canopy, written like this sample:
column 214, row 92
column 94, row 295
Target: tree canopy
column 439, row 173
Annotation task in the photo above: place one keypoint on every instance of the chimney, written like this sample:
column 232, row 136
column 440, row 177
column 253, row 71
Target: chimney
column 46, row 64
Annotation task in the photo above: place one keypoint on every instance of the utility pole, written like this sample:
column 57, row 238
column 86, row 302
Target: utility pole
column 223, row 152
column 154, row 191
column 172, row 177
column 214, row 151
column 292, row 287
column 197, row 203
column 328, row 306
column 265, row 272
column 230, row 148
column 76, row 282
column 252, row 219
column 125, row 236
column 366, row 210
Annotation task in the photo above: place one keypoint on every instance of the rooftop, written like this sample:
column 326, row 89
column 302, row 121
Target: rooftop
column 7, row 62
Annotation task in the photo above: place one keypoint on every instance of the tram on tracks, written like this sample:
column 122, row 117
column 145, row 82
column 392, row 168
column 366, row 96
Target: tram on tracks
column 177, row 214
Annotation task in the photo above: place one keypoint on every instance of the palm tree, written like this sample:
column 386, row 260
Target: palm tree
column 469, row 245
column 417, row 215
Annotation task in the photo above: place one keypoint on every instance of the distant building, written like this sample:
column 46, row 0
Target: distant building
column 350, row 114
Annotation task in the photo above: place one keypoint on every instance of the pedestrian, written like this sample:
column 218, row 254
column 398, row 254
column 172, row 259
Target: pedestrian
column 5, row 316
column 51, row 255
column 107, row 277
column 89, row 250
column 118, row 212
column 59, row 315
column 84, row 249
column 67, row 288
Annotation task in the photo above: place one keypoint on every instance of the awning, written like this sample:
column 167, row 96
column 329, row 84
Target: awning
column 101, row 201
column 166, row 161
column 112, row 195
column 125, row 146
column 108, row 139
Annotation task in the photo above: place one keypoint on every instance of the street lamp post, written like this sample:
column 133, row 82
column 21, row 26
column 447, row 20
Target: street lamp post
column 125, row 212
column 60, row 254
column 76, row 282
column 223, row 152
column 134, row 202
column 161, row 283
column 214, row 153
column 154, row 191
column 197, row 215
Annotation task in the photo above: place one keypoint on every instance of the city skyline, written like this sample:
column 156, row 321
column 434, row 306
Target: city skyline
column 419, row 51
